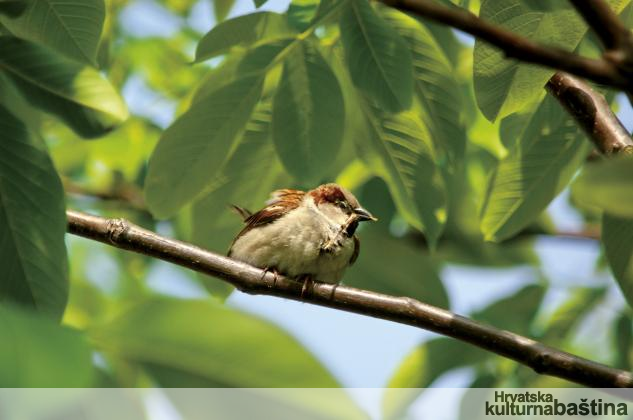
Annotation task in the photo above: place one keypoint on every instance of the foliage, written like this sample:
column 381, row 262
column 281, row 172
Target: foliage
column 459, row 169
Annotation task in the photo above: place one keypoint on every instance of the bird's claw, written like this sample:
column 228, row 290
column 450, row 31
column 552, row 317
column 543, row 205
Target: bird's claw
column 274, row 272
column 308, row 285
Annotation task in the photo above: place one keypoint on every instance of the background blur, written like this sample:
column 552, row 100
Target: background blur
column 152, row 43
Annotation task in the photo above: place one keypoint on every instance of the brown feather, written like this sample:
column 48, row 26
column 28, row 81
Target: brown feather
column 280, row 203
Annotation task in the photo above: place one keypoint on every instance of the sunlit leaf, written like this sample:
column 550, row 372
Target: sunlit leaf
column 436, row 87
column 225, row 347
column 378, row 58
column 76, row 93
column 540, row 165
column 607, row 185
column 617, row 236
column 71, row 27
column 32, row 222
column 38, row 353
column 244, row 31
column 308, row 115
column 402, row 153
column 504, row 86
column 192, row 150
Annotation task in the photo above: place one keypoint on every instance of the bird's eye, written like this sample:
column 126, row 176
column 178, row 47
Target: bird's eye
column 342, row 204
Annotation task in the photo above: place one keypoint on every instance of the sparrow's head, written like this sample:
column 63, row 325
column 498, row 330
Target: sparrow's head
column 339, row 203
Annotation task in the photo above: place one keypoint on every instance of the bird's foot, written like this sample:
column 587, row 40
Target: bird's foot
column 308, row 285
column 274, row 272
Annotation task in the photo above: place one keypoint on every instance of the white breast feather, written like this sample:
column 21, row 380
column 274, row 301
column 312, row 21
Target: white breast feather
column 291, row 244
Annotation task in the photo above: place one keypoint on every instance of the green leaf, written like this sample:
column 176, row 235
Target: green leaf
column 512, row 128
column 32, row 222
column 221, row 9
column 38, row 353
column 416, row 277
column 254, row 62
column 12, row 8
column 607, row 185
column 570, row 314
column 250, row 403
column 400, row 151
column 617, row 236
column 259, row 3
column 308, row 115
column 76, row 93
column 504, row 86
column 244, row 31
column 301, row 13
column 436, row 86
column 11, row 98
column 71, row 27
column 246, row 179
column 225, row 347
column 623, row 338
column 539, row 166
column 516, row 312
column 192, row 150
column 378, row 58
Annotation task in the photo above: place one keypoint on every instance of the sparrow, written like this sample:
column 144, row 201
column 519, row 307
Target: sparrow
column 304, row 235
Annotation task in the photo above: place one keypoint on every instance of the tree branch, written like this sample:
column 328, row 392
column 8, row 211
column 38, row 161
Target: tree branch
column 605, row 23
column 607, row 72
column 592, row 113
column 543, row 359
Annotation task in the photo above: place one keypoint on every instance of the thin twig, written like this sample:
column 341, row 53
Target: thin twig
column 592, row 112
column 129, row 194
column 602, row 71
column 543, row 359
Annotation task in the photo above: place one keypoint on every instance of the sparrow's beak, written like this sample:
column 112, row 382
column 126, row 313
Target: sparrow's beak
column 364, row 215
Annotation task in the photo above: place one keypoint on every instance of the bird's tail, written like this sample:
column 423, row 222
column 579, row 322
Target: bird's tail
column 241, row 211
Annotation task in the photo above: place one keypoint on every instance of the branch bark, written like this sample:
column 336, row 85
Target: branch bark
column 592, row 112
column 543, row 359
column 612, row 71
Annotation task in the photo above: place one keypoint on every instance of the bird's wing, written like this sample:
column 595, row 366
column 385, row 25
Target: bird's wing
column 286, row 195
column 280, row 203
column 356, row 250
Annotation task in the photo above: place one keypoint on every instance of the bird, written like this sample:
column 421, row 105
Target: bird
column 303, row 235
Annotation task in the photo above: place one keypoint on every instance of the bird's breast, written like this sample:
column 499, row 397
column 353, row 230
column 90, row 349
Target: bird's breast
column 292, row 244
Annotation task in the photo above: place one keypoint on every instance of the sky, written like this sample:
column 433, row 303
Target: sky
column 363, row 352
